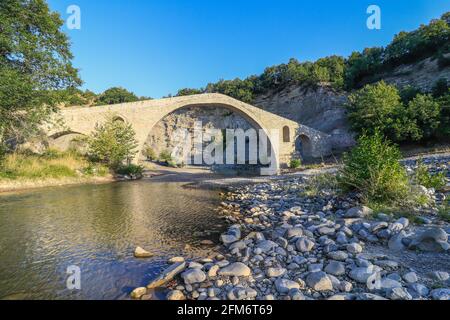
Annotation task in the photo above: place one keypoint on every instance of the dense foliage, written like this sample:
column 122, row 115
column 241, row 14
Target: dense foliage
column 116, row 95
column 401, row 116
column 35, row 62
column 112, row 143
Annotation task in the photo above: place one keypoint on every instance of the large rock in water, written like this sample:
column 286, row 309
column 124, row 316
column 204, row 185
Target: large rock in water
column 141, row 253
column 434, row 239
column 167, row 275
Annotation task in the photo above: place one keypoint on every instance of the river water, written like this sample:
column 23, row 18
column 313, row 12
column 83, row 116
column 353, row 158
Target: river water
column 96, row 228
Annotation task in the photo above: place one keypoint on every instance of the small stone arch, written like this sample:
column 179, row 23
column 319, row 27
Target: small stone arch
column 303, row 145
column 286, row 134
column 118, row 118
column 66, row 140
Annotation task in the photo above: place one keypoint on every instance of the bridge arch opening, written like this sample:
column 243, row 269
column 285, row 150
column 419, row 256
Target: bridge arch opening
column 211, row 116
column 303, row 145
column 67, row 140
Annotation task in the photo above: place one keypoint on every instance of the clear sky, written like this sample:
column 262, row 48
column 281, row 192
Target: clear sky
column 154, row 48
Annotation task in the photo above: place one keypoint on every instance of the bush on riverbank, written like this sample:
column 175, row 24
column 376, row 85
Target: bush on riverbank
column 373, row 169
column 59, row 165
column 112, row 143
column 130, row 170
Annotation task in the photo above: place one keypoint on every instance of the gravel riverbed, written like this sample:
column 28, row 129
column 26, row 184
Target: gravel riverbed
column 285, row 243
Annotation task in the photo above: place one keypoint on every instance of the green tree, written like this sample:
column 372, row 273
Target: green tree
column 423, row 118
column 408, row 93
column 440, row 88
column 444, row 103
column 112, row 143
column 189, row 92
column 35, row 62
column 116, row 95
column 375, row 108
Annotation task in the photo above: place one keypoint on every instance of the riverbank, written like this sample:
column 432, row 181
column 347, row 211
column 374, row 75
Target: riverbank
column 8, row 186
column 291, row 241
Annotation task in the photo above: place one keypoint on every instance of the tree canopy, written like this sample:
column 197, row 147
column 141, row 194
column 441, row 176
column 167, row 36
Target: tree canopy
column 35, row 62
column 116, row 95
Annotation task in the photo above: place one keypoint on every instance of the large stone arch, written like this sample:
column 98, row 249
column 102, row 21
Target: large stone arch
column 144, row 115
column 143, row 131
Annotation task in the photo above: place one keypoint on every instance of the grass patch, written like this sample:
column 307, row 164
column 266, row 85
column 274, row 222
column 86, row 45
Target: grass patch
column 318, row 183
column 295, row 163
column 394, row 212
column 444, row 211
column 423, row 177
column 52, row 164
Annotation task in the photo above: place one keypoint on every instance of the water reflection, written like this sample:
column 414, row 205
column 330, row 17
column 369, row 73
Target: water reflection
column 96, row 228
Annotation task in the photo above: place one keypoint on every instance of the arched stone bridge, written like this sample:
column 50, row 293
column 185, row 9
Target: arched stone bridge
column 144, row 115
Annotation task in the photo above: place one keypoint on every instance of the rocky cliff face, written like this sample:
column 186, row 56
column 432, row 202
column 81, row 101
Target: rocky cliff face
column 321, row 108
column 422, row 75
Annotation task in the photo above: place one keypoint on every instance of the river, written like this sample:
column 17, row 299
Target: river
column 96, row 228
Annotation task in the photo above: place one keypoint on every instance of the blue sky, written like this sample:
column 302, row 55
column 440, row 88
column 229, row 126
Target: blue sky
column 157, row 47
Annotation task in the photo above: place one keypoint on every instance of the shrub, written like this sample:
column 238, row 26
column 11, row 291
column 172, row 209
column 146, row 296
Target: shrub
column 131, row 170
column 2, row 153
column 424, row 178
column 373, row 169
column 95, row 170
column 112, row 143
column 295, row 163
column 150, row 154
column 165, row 156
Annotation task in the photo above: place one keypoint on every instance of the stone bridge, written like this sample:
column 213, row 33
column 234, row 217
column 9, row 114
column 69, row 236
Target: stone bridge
column 293, row 139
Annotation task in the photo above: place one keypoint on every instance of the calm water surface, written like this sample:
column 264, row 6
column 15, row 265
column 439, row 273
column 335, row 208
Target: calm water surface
column 97, row 227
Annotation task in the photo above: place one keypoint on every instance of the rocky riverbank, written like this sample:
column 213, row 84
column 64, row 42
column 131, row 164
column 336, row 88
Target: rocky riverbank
column 290, row 241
